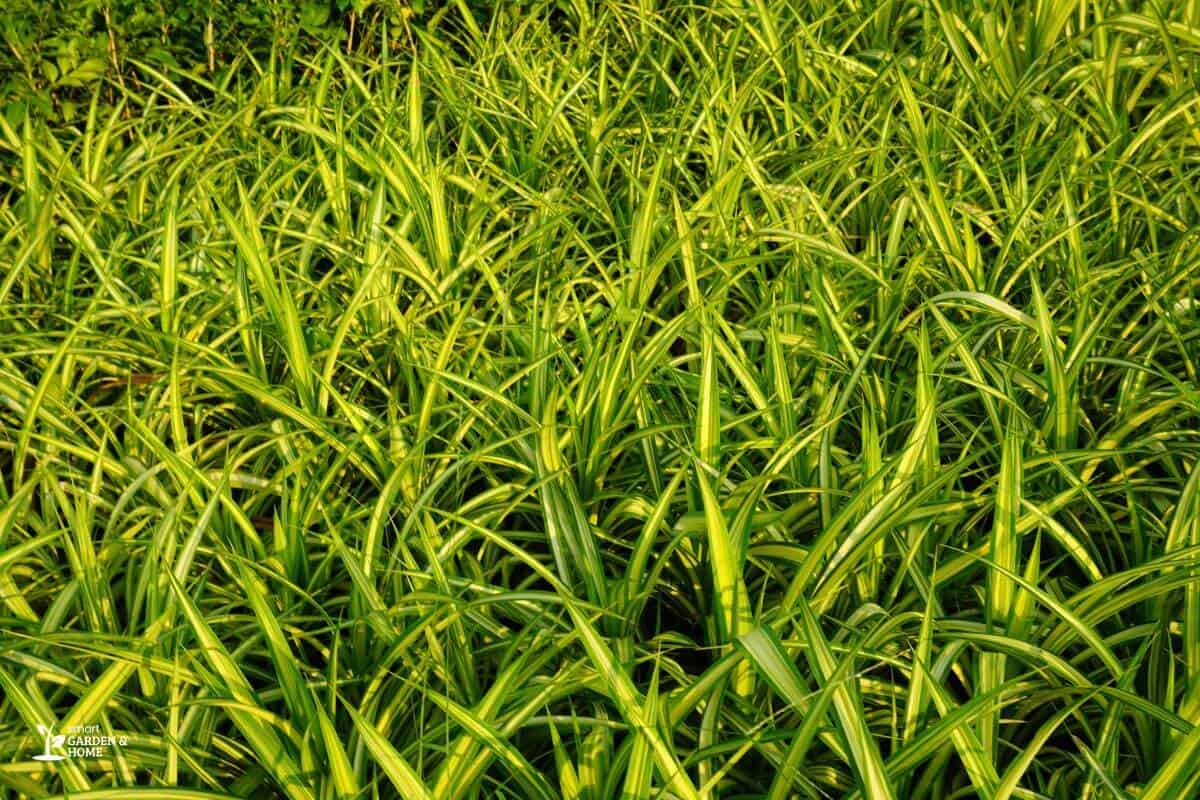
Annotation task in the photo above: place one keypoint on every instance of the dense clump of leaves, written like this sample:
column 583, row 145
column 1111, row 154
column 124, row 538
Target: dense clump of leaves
column 58, row 53
column 611, row 400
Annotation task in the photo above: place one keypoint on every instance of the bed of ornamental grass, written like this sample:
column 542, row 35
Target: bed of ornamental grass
column 777, row 399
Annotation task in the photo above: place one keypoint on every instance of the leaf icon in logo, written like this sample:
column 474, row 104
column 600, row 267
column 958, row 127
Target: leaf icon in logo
column 49, row 742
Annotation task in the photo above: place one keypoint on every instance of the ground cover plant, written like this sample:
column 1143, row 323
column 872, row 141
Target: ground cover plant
column 777, row 398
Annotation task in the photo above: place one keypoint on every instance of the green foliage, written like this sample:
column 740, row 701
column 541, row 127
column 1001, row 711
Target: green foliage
column 722, row 400
column 57, row 53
